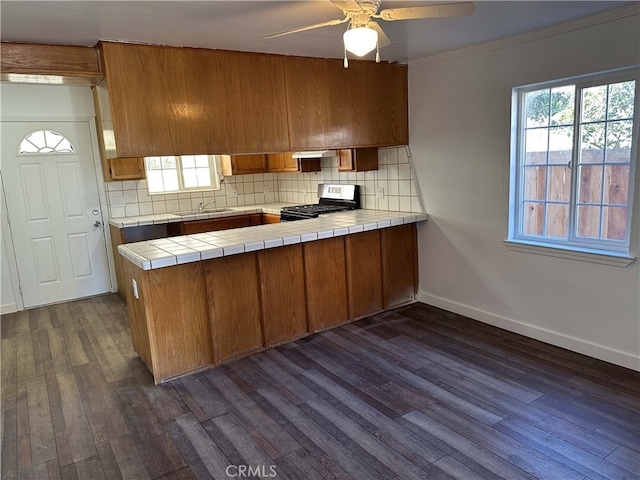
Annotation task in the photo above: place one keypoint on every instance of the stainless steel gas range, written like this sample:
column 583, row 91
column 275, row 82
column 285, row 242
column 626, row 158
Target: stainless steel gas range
column 331, row 199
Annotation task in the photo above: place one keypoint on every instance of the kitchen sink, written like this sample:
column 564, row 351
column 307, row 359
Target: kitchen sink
column 208, row 210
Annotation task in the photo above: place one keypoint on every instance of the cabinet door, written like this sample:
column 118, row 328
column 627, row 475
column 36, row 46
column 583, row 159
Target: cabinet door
column 326, row 282
column 364, row 273
column 284, row 162
column 234, row 305
column 358, row 159
column 275, row 162
column 270, row 218
column 283, row 294
column 174, row 101
column 149, row 104
column 333, row 107
column 170, row 344
column 126, row 168
column 345, row 159
column 399, row 264
column 243, row 164
column 224, row 223
column 290, row 164
column 308, row 102
column 253, row 103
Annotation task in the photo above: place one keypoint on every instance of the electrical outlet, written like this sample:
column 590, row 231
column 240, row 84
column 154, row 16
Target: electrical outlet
column 380, row 192
column 117, row 202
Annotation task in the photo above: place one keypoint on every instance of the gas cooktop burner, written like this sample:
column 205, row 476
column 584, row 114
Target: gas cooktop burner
column 332, row 199
column 316, row 208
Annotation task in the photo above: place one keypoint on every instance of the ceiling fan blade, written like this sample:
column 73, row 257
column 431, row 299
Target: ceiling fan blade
column 308, row 27
column 347, row 6
column 428, row 11
column 383, row 40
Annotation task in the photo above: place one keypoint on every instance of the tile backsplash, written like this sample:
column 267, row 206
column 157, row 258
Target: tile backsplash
column 394, row 177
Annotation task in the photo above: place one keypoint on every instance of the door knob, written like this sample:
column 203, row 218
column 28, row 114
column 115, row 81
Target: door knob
column 97, row 223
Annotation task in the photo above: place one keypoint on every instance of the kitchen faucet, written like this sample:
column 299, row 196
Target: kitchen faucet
column 202, row 205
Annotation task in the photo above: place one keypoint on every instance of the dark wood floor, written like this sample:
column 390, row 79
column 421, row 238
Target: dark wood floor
column 414, row 393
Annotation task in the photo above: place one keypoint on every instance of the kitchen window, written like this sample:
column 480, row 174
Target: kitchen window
column 574, row 155
column 185, row 173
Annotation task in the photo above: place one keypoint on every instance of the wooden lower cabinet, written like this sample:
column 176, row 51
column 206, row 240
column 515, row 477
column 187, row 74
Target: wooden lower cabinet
column 284, row 314
column 197, row 315
column 326, row 283
column 171, row 310
column 235, row 313
column 128, row 235
column 364, row 273
column 270, row 218
column 119, row 262
column 210, row 225
column 399, row 255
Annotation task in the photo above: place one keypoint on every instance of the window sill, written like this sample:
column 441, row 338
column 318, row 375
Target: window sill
column 574, row 253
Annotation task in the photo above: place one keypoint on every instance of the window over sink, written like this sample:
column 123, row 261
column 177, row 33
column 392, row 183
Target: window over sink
column 183, row 173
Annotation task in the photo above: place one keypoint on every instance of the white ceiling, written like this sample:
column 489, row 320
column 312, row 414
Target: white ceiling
column 240, row 25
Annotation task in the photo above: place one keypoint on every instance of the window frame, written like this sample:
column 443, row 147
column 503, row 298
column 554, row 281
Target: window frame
column 213, row 173
column 573, row 243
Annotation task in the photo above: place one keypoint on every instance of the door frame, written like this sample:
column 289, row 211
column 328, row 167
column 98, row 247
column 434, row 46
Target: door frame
column 7, row 236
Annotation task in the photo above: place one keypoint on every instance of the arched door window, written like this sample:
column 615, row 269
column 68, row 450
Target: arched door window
column 45, row 141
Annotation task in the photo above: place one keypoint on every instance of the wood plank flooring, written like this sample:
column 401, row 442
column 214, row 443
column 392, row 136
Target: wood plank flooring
column 416, row 393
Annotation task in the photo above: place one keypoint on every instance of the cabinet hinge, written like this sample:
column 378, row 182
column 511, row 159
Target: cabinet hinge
column 20, row 289
column 8, row 219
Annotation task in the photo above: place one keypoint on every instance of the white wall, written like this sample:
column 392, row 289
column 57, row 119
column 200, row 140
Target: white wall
column 459, row 134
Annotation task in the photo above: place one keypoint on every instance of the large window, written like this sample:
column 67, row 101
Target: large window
column 181, row 174
column 573, row 162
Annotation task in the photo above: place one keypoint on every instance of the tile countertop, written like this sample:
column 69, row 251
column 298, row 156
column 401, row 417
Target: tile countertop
column 165, row 252
column 123, row 222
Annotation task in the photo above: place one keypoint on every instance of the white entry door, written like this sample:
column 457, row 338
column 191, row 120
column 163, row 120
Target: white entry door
column 54, row 211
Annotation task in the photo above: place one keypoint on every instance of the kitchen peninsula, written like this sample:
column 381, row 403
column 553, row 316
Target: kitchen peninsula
column 196, row 301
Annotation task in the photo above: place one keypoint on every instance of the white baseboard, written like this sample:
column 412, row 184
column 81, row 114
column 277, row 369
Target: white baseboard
column 8, row 308
column 548, row 336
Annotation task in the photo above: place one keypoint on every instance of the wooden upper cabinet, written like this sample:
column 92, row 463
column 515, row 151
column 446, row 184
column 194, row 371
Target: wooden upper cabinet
column 254, row 101
column 243, row 164
column 126, row 168
column 159, row 100
column 284, row 162
column 174, row 101
column 358, row 159
column 333, row 107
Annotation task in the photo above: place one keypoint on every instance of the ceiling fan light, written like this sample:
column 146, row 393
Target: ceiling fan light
column 360, row 40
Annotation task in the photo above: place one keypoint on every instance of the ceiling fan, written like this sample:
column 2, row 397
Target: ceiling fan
column 364, row 35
